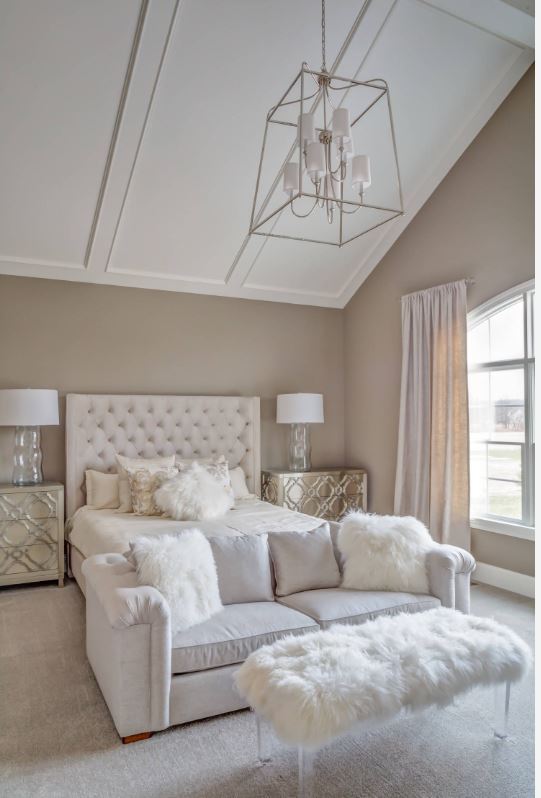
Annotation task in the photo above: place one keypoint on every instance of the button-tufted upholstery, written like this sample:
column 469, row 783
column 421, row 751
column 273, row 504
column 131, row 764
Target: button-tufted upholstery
column 98, row 425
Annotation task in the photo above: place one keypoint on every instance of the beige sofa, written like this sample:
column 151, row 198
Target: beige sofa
column 151, row 680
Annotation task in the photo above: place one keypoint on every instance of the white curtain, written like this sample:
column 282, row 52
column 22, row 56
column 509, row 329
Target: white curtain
column 432, row 474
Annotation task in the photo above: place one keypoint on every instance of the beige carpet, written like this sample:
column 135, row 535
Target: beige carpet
column 57, row 739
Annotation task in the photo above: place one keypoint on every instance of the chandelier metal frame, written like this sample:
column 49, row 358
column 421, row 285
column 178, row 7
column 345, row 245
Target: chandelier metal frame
column 331, row 197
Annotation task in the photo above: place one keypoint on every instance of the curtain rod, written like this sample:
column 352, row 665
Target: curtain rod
column 467, row 280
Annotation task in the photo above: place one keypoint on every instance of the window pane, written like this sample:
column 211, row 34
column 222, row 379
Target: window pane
column 507, row 332
column 504, row 462
column 480, row 418
column 478, row 479
column 479, row 343
column 507, row 403
column 497, row 405
column 505, row 499
column 531, row 327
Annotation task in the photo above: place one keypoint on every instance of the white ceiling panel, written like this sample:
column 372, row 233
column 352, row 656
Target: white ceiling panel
column 62, row 70
column 132, row 132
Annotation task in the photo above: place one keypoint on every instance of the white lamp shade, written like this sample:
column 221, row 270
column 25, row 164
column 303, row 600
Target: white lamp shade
column 307, row 128
column 28, row 407
column 360, row 167
column 291, row 176
column 299, row 408
column 315, row 159
column 340, row 123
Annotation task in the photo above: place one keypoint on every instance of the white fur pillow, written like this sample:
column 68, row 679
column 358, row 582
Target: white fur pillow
column 182, row 568
column 384, row 552
column 193, row 495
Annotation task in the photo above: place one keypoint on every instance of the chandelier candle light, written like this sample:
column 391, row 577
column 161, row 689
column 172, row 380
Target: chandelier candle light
column 322, row 170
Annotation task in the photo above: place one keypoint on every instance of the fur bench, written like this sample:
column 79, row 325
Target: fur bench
column 317, row 687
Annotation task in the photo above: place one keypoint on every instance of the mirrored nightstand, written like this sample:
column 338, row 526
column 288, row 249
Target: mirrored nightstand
column 31, row 533
column 325, row 492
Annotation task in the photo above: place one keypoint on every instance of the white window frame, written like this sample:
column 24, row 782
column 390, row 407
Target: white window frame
column 491, row 523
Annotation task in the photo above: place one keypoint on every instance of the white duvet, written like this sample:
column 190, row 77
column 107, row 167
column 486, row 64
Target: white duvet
column 108, row 531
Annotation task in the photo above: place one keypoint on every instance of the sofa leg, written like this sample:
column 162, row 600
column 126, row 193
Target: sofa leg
column 134, row 738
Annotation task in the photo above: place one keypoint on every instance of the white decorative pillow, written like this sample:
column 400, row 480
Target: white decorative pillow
column 182, row 568
column 124, row 464
column 303, row 560
column 101, row 490
column 193, row 495
column 384, row 552
column 238, row 483
column 143, row 485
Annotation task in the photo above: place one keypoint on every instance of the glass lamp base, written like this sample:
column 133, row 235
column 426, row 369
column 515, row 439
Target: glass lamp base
column 27, row 456
column 299, row 448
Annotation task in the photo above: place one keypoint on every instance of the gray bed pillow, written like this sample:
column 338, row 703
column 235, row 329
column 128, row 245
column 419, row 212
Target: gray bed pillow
column 303, row 560
column 244, row 569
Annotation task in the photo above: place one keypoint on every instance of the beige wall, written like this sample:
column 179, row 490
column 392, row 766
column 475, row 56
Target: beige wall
column 479, row 223
column 98, row 339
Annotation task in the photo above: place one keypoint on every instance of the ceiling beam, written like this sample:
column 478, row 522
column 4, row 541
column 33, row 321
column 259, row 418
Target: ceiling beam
column 493, row 16
column 148, row 53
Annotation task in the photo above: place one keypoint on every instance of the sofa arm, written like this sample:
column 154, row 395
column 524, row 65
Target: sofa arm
column 449, row 570
column 128, row 644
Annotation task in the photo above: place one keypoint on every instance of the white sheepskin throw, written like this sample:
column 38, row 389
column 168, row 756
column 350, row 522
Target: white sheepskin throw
column 193, row 495
column 384, row 552
column 318, row 686
column 182, row 568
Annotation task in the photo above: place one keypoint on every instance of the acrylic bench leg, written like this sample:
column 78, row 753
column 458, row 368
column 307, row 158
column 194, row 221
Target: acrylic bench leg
column 264, row 738
column 502, row 695
column 306, row 773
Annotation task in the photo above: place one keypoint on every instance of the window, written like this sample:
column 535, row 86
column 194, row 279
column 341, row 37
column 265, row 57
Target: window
column 501, row 386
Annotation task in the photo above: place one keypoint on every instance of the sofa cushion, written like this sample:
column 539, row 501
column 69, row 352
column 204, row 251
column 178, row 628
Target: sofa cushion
column 244, row 570
column 231, row 635
column 303, row 560
column 355, row 606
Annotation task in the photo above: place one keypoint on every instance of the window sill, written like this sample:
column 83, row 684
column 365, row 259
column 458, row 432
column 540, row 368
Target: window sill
column 503, row 528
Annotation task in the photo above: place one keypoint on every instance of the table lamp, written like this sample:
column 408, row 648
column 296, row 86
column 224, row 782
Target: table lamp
column 28, row 409
column 299, row 410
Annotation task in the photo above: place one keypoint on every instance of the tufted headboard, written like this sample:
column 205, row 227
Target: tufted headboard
column 98, row 425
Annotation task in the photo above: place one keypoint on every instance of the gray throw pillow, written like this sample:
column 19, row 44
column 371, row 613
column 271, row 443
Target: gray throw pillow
column 243, row 566
column 303, row 560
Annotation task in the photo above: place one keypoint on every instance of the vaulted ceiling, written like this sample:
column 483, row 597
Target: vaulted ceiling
column 131, row 131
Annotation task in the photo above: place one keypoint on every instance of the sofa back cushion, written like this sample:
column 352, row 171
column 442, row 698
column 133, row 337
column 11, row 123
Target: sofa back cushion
column 303, row 560
column 244, row 570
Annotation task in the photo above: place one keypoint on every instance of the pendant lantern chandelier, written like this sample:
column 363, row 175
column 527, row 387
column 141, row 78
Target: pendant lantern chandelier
column 323, row 189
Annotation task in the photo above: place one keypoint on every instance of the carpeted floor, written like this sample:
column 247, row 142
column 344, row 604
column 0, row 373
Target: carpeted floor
column 57, row 739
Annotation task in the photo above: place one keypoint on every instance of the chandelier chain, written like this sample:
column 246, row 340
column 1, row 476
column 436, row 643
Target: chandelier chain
column 323, row 63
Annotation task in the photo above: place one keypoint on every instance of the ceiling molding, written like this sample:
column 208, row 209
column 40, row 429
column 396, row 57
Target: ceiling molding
column 492, row 16
column 148, row 54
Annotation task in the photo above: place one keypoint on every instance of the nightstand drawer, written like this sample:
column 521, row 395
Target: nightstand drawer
column 28, row 559
column 28, row 504
column 28, row 531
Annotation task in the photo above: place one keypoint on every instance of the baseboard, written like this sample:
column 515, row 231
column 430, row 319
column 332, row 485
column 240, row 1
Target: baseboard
column 506, row 580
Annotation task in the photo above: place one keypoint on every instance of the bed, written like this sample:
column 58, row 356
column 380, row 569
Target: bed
column 99, row 426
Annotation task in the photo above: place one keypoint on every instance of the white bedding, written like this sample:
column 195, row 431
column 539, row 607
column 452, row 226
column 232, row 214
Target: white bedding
column 108, row 531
